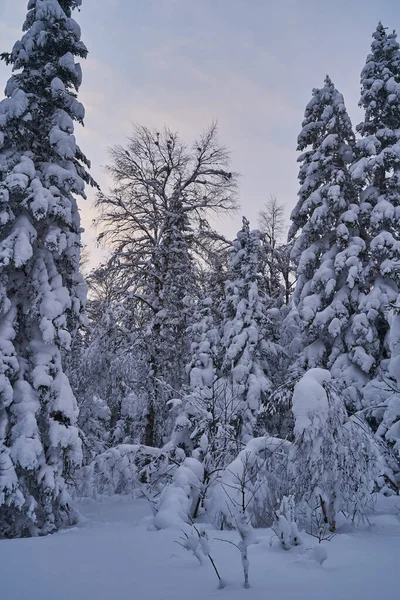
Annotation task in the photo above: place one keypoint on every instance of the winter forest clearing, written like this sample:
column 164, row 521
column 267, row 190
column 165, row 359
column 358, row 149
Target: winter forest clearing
column 196, row 412
column 113, row 555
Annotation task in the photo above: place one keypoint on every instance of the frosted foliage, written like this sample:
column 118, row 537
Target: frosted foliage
column 205, row 427
column 103, row 369
column 327, row 246
column 204, row 348
column 286, row 526
column 41, row 291
column 333, row 461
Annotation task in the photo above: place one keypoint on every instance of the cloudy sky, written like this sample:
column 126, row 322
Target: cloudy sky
column 250, row 64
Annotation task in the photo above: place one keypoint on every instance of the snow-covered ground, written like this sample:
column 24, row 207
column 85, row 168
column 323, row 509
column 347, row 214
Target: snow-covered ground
column 112, row 555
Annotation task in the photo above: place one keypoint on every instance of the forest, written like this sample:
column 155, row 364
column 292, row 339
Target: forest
column 244, row 383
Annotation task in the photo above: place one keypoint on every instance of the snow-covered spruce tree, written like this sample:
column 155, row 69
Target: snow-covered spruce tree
column 376, row 169
column 250, row 354
column 327, row 247
column 156, row 220
column 41, row 290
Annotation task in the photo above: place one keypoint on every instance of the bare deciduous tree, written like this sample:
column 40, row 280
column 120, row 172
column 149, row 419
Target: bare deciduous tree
column 271, row 220
column 156, row 220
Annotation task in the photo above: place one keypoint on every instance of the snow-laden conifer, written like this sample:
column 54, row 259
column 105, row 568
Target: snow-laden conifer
column 327, row 247
column 41, row 291
column 377, row 171
column 249, row 353
column 167, row 343
column 203, row 427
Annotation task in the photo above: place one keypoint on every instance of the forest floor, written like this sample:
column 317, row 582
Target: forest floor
column 113, row 555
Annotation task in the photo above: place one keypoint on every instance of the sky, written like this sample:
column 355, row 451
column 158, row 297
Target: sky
column 249, row 64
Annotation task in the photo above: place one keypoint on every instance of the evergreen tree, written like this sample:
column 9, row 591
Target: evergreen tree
column 327, row 249
column 376, row 169
column 250, row 354
column 167, row 344
column 41, row 290
column 203, row 428
column 205, row 348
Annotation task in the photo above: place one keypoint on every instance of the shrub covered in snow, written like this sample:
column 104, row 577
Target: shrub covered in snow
column 333, row 461
column 178, row 500
column 285, row 526
column 255, row 481
column 128, row 469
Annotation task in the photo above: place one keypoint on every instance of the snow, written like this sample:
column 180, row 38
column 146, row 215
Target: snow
column 178, row 500
column 112, row 554
column 309, row 399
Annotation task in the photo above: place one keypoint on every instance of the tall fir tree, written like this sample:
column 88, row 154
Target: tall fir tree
column 41, row 291
column 327, row 247
column 376, row 169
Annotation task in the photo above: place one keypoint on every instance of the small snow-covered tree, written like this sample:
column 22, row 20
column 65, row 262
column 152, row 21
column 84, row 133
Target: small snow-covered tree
column 390, row 426
column 333, row 461
column 41, row 290
column 327, row 247
column 255, row 481
column 94, row 423
column 286, row 526
column 376, row 170
column 203, row 427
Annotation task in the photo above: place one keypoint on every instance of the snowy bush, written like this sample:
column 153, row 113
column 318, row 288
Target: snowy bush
column 128, row 469
column 333, row 461
column 286, row 527
column 178, row 501
column 255, row 481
